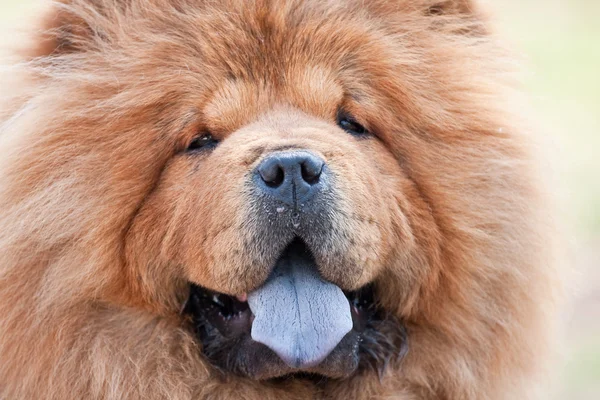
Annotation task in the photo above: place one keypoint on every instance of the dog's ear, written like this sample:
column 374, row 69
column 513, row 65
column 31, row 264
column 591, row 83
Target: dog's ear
column 466, row 17
column 463, row 17
column 467, row 8
column 70, row 26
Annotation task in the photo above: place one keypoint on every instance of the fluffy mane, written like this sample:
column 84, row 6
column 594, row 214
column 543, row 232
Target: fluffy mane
column 105, row 78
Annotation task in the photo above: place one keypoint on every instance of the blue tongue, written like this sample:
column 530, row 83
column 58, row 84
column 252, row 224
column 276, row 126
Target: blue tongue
column 298, row 315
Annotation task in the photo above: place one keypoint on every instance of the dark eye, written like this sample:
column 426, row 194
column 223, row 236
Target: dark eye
column 205, row 141
column 349, row 124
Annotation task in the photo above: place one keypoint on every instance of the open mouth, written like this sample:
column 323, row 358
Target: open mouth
column 296, row 323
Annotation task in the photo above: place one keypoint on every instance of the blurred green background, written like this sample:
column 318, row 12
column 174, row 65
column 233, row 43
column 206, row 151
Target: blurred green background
column 558, row 42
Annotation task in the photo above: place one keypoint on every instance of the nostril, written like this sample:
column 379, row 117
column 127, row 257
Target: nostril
column 277, row 180
column 311, row 171
column 272, row 174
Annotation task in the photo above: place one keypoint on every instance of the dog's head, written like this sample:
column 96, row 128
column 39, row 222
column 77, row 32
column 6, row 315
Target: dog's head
column 286, row 201
column 285, row 191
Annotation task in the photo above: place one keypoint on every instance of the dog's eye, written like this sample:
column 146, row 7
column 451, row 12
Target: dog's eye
column 202, row 142
column 349, row 124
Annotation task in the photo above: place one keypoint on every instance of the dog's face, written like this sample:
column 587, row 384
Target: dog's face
column 283, row 171
column 287, row 167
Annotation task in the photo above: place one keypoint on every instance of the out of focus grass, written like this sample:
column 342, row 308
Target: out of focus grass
column 559, row 41
column 11, row 10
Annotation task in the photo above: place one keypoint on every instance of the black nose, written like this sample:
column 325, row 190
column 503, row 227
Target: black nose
column 291, row 176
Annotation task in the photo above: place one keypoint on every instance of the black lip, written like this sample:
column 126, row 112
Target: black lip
column 230, row 316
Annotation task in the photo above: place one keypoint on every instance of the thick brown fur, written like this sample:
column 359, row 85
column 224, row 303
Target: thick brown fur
column 104, row 221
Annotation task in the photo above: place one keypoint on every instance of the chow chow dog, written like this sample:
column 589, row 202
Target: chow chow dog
column 268, row 199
